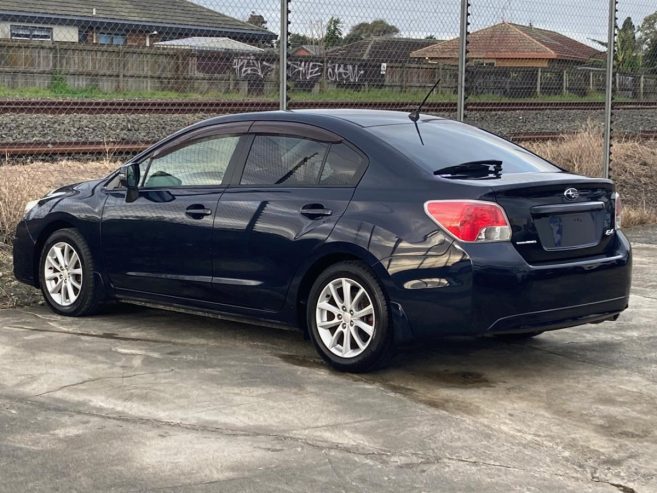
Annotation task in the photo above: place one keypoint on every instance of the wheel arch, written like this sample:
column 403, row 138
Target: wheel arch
column 329, row 255
column 62, row 222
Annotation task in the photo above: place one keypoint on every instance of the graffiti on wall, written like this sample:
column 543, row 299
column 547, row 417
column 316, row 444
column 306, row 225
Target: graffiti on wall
column 250, row 67
column 335, row 72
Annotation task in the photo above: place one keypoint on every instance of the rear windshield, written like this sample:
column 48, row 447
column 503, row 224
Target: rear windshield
column 449, row 143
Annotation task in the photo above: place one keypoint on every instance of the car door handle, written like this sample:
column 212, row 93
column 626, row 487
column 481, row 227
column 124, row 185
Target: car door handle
column 314, row 211
column 197, row 211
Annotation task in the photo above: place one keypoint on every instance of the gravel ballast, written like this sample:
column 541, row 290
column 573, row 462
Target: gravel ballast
column 35, row 128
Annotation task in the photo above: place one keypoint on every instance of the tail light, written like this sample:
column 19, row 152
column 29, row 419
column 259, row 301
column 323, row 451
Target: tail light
column 470, row 220
column 618, row 209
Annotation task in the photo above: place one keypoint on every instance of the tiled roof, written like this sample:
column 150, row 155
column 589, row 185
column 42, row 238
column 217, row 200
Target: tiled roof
column 384, row 49
column 314, row 50
column 148, row 12
column 507, row 40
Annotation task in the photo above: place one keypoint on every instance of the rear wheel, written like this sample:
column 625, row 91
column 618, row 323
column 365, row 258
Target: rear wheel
column 66, row 274
column 348, row 318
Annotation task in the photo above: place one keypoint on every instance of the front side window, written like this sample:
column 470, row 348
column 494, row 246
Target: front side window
column 201, row 163
column 34, row 33
column 284, row 161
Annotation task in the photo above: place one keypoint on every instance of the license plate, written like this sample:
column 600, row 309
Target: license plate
column 560, row 231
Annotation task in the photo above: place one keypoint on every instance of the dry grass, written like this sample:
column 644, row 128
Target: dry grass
column 22, row 183
column 634, row 168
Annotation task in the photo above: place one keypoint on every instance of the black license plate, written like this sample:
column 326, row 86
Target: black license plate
column 579, row 230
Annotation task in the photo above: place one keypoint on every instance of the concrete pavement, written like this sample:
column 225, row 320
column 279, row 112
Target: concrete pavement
column 138, row 399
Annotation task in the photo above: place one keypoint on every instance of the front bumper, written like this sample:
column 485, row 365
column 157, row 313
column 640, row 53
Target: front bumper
column 23, row 251
column 492, row 290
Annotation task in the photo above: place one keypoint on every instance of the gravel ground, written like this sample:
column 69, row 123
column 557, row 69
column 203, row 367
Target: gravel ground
column 150, row 128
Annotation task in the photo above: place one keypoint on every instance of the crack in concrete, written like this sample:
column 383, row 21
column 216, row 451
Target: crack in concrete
column 619, row 486
column 96, row 336
column 375, row 453
column 98, row 379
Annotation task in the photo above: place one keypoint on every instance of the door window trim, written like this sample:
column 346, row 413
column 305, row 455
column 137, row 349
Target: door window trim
column 239, row 129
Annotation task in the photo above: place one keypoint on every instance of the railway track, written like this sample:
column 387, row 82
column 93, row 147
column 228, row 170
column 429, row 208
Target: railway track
column 60, row 107
column 55, row 149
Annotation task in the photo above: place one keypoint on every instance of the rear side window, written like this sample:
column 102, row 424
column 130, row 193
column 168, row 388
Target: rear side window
column 342, row 166
column 284, row 161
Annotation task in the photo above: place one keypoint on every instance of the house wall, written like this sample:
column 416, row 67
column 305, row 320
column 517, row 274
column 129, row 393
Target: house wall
column 59, row 33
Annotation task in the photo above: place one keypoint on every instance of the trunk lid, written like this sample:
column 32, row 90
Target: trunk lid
column 555, row 216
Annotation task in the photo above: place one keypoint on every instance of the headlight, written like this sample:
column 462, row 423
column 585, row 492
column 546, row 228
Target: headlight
column 50, row 195
column 30, row 205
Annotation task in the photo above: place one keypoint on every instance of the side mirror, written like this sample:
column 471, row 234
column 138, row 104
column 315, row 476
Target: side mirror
column 129, row 178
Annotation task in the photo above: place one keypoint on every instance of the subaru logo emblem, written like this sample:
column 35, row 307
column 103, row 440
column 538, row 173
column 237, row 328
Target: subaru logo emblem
column 571, row 194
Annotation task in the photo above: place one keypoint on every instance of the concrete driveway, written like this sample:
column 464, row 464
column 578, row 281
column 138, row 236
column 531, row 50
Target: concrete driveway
column 138, row 399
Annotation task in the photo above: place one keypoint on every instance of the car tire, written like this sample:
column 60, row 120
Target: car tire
column 351, row 333
column 66, row 275
column 520, row 336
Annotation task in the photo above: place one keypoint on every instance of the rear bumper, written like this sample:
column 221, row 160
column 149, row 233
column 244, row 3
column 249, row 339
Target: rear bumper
column 559, row 318
column 493, row 290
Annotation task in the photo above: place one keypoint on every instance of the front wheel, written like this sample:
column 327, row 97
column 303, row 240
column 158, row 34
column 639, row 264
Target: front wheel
column 66, row 274
column 348, row 318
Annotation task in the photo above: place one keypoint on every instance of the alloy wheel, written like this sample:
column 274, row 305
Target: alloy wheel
column 63, row 274
column 345, row 317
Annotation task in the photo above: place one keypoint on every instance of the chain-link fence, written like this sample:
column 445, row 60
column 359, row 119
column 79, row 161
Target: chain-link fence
column 111, row 77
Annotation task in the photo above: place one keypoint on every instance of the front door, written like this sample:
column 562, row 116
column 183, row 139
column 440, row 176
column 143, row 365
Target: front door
column 161, row 243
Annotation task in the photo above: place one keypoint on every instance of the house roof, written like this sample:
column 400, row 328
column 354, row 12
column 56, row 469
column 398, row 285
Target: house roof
column 384, row 49
column 157, row 13
column 314, row 50
column 209, row 44
column 507, row 40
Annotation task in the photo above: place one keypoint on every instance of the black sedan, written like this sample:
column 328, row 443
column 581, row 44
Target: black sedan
column 366, row 229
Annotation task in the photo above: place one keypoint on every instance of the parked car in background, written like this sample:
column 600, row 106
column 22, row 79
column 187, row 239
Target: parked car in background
column 367, row 229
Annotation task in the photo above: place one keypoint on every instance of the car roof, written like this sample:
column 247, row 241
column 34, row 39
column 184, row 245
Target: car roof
column 362, row 118
column 366, row 118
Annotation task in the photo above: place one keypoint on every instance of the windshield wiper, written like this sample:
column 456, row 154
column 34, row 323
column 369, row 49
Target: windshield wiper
column 472, row 169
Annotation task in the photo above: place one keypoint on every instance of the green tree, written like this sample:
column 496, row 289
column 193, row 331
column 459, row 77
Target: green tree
column 257, row 20
column 295, row 40
column 333, row 36
column 366, row 30
column 648, row 42
column 628, row 54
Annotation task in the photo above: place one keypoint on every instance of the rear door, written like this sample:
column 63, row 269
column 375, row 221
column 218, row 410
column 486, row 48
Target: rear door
column 161, row 243
column 296, row 183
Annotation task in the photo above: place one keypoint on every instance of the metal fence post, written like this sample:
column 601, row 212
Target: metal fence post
column 282, row 62
column 463, row 52
column 609, row 88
